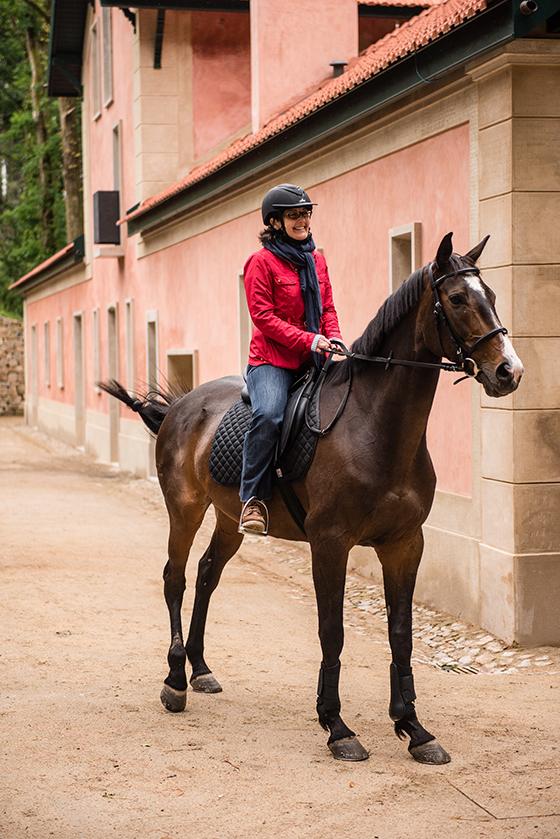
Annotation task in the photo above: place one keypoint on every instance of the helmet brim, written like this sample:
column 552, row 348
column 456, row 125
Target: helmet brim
column 293, row 206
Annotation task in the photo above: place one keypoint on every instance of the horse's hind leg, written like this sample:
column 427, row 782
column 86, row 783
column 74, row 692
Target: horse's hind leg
column 400, row 563
column 224, row 544
column 183, row 524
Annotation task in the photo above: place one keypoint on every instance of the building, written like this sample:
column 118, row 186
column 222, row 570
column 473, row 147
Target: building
column 448, row 121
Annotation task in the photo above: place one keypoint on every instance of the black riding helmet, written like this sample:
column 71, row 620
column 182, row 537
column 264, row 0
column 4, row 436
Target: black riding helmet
column 282, row 197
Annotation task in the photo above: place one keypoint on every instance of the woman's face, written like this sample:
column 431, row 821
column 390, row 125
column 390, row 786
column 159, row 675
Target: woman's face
column 297, row 223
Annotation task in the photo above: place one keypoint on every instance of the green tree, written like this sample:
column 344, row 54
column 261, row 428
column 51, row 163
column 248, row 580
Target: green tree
column 33, row 219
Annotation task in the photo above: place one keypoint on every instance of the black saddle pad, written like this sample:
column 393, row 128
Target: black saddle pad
column 226, row 457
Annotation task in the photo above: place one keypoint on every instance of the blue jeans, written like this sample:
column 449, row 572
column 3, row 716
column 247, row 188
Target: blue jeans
column 268, row 388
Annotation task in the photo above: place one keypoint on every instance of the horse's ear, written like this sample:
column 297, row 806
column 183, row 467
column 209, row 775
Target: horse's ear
column 445, row 250
column 474, row 254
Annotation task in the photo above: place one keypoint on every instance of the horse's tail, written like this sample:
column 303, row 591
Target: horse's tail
column 152, row 407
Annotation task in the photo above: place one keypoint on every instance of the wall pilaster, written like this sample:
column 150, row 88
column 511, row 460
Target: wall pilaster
column 162, row 103
column 519, row 205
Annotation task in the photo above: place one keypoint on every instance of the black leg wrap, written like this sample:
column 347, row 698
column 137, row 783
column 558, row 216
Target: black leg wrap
column 402, row 694
column 328, row 703
column 176, row 659
column 401, row 709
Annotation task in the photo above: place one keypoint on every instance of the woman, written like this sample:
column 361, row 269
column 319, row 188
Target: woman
column 291, row 305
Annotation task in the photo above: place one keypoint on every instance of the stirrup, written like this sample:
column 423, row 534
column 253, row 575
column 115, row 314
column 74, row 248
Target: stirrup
column 262, row 506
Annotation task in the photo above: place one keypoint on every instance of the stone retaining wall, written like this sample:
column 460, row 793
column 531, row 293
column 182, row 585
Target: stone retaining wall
column 12, row 382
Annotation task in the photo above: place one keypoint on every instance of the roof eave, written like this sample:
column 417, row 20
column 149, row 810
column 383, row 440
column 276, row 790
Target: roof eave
column 487, row 30
column 68, row 260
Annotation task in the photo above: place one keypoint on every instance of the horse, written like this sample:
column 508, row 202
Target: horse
column 375, row 475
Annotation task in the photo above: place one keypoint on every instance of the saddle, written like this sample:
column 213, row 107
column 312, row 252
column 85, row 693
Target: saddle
column 297, row 443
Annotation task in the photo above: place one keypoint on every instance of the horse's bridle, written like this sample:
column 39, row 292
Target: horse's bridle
column 463, row 353
column 464, row 364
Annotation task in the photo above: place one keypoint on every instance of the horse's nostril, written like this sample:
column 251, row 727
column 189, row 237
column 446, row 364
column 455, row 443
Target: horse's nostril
column 504, row 372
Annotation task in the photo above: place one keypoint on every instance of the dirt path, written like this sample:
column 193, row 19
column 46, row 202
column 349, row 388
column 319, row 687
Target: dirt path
column 88, row 751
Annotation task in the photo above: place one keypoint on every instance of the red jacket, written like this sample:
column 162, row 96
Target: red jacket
column 277, row 310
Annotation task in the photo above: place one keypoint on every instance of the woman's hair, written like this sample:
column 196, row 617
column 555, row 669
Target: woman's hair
column 268, row 234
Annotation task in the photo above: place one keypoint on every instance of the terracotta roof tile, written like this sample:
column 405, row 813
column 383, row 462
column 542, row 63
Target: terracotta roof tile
column 405, row 39
column 46, row 264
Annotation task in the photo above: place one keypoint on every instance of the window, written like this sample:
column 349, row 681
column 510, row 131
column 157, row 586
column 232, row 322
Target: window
column 107, row 58
column 245, row 324
column 151, row 350
column 60, row 353
column 95, row 73
column 117, row 157
column 47, row 352
column 182, row 370
column 33, row 406
column 129, row 343
column 404, row 253
column 96, row 349
column 79, row 380
column 113, row 372
column 151, row 377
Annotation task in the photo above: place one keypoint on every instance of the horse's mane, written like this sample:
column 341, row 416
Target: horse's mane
column 390, row 314
column 395, row 308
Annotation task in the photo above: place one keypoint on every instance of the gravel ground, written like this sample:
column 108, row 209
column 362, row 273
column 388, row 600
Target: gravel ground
column 88, row 752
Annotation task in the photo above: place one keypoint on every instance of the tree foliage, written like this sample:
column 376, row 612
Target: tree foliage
column 32, row 213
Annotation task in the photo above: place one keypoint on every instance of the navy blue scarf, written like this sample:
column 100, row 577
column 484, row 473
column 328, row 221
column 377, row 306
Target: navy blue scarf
column 300, row 254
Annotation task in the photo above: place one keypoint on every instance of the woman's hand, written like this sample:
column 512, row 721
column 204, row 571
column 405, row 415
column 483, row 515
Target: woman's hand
column 324, row 345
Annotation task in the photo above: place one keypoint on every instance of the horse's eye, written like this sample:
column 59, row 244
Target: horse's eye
column 457, row 299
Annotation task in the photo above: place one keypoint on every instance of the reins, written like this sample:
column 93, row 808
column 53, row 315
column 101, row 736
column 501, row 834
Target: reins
column 465, row 364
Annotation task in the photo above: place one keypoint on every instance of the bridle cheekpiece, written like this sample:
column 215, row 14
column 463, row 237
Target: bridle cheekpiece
column 463, row 352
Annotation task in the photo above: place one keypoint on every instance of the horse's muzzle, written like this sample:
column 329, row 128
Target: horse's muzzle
column 503, row 379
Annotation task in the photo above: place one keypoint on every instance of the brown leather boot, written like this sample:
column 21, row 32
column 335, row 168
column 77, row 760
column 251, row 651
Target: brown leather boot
column 254, row 518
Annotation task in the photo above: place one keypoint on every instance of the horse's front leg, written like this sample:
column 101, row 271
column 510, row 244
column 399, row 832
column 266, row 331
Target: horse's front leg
column 329, row 575
column 400, row 563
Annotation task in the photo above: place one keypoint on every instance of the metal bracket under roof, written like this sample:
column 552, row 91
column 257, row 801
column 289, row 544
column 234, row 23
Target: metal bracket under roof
column 158, row 44
column 131, row 17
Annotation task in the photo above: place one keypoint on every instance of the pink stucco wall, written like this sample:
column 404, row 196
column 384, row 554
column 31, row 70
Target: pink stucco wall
column 221, row 52
column 291, row 51
column 193, row 285
column 428, row 183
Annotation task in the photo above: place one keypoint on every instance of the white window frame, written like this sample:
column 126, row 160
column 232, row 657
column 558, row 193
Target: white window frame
column 129, row 342
column 152, row 318
column 409, row 237
column 95, row 70
column 107, row 55
column 194, row 361
column 60, row 353
column 47, row 352
column 96, row 339
column 245, row 323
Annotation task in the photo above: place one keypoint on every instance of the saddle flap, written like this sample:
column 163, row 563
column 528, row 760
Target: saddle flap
column 294, row 415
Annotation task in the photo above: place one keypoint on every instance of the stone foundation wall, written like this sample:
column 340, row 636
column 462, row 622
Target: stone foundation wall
column 12, row 382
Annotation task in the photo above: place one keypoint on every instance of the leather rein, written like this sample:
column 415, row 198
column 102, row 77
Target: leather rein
column 464, row 364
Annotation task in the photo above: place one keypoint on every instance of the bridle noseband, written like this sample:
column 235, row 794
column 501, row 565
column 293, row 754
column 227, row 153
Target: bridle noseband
column 463, row 353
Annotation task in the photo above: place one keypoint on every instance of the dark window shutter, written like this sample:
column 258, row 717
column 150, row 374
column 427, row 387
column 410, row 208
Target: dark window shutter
column 105, row 217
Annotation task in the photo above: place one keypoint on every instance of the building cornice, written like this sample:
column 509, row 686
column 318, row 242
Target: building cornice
column 480, row 34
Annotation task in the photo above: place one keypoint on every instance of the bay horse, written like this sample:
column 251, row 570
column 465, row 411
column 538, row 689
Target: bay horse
column 371, row 481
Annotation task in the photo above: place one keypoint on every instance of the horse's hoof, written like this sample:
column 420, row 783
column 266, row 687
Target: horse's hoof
column 173, row 700
column 430, row 752
column 206, row 683
column 348, row 748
